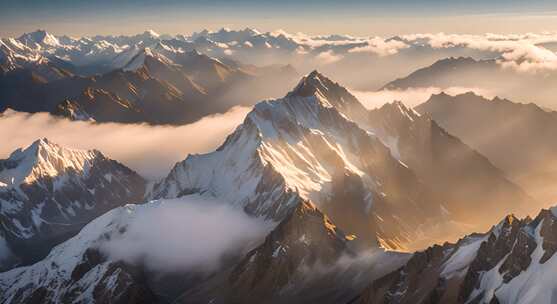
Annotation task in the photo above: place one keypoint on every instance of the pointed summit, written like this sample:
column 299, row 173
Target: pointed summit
column 399, row 111
column 40, row 38
column 49, row 192
column 43, row 158
column 312, row 83
column 316, row 84
column 157, row 53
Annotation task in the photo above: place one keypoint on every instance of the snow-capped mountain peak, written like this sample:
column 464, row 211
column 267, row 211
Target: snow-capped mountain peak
column 303, row 144
column 316, row 84
column 43, row 158
column 39, row 39
column 157, row 52
column 513, row 263
column 265, row 139
column 48, row 192
column 313, row 83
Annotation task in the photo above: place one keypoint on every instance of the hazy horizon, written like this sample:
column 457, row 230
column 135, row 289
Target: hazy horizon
column 80, row 18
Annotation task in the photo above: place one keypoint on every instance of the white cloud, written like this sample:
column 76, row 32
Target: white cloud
column 380, row 47
column 521, row 52
column 188, row 233
column 328, row 57
column 150, row 150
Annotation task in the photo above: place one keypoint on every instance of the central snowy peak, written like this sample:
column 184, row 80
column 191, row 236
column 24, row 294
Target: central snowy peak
column 306, row 140
column 332, row 93
column 42, row 159
column 302, row 137
column 304, row 145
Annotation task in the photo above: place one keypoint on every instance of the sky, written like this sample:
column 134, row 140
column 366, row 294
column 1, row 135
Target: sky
column 356, row 17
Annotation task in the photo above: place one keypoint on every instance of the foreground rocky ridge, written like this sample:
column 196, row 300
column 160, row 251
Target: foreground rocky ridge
column 512, row 263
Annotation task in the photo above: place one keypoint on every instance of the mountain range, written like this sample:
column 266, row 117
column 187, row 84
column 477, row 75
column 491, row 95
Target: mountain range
column 339, row 186
column 149, row 82
column 45, row 72
column 490, row 75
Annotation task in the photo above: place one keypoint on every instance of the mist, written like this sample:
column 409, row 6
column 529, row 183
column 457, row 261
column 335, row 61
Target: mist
column 149, row 150
column 411, row 97
column 361, row 265
column 191, row 233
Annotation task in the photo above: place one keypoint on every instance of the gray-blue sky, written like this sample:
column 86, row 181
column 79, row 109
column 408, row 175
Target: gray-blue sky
column 357, row 17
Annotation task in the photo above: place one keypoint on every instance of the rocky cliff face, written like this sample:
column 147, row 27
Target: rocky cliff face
column 512, row 263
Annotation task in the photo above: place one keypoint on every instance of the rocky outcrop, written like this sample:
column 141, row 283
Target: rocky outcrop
column 504, row 265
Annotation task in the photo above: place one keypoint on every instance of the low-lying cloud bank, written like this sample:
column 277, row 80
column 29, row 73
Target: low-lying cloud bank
column 522, row 52
column 188, row 233
column 150, row 150
column 411, row 97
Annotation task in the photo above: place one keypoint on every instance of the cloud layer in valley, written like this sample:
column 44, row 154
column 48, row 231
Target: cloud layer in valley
column 520, row 52
column 189, row 233
column 150, row 150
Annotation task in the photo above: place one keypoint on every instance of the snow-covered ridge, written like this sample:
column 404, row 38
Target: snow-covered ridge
column 79, row 269
column 533, row 282
column 49, row 192
column 39, row 39
column 306, row 146
column 294, row 130
column 521, row 52
column 514, row 263
column 280, row 135
column 43, row 159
